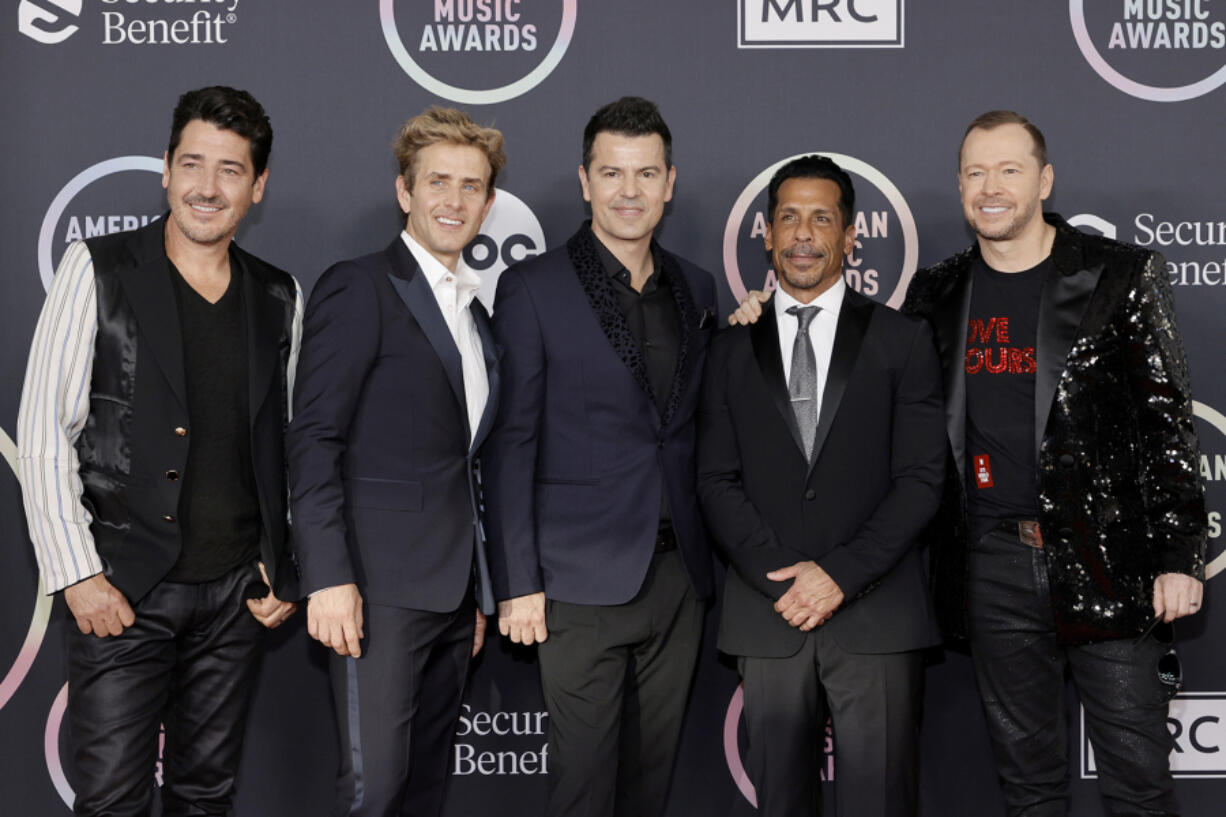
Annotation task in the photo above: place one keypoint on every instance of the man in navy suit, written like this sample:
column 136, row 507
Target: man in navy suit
column 397, row 389
column 597, row 548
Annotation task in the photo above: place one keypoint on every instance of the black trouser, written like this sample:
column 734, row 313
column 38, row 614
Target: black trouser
column 873, row 702
column 615, row 681
column 1021, row 672
column 397, row 708
column 188, row 662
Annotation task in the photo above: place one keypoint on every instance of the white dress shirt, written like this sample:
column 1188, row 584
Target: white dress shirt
column 54, row 408
column 454, row 292
column 821, row 330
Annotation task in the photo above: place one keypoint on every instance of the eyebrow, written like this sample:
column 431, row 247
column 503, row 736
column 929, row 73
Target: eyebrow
column 200, row 157
column 434, row 174
column 637, row 169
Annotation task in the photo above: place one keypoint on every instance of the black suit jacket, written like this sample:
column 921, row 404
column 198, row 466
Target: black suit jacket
column 1120, row 498
column 129, row 447
column 383, row 476
column 856, row 508
column 581, row 453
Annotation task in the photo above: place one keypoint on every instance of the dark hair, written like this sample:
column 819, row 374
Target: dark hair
column 228, row 109
column 628, row 116
column 994, row 119
column 813, row 166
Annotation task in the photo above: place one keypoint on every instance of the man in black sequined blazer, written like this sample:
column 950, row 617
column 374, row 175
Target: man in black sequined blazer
column 1072, row 531
column 597, row 548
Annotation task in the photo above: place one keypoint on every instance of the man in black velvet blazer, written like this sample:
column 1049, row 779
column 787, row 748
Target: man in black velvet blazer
column 397, row 389
column 596, row 544
column 818, row 510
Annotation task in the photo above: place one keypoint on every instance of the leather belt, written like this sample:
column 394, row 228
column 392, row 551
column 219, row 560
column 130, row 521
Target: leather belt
column 666, row 540
column 1026, row 530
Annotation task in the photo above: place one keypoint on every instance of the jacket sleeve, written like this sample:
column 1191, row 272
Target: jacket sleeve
column 509, row 456
column 54, row 409
column 917, row 474
column 1169, row 477
column 340, row 342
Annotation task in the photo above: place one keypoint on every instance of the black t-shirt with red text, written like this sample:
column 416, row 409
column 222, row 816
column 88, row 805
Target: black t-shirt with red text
column 1000, row 368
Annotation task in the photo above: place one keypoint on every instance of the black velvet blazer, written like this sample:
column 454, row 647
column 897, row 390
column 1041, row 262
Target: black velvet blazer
column 1120, row 498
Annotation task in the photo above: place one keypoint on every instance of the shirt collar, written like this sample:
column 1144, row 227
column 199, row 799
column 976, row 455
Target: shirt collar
column 467, row 282
column 830, row 301
column 613, row 267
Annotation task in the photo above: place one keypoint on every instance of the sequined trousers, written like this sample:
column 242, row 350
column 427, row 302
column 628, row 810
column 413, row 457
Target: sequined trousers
column 1021, row 670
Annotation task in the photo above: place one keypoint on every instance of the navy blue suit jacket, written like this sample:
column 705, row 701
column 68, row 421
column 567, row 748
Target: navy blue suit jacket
column 580, row 454
column 383, row 477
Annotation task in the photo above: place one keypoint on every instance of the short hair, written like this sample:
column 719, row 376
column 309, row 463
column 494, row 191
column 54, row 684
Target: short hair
column 813, row 166
column 228, row 109
column 994, row 119
column 450, row 125
column 628, row 116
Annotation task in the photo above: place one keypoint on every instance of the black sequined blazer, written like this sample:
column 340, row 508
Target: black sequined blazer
column 1120, row 498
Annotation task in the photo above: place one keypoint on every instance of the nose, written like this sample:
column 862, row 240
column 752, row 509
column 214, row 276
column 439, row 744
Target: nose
column 208, row 184
column 629, row 185
column 991, row 181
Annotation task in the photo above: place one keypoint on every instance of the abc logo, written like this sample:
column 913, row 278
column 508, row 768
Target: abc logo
column 509, row 233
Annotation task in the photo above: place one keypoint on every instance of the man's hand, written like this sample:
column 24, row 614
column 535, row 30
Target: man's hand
column 812, row 598
column 522, row 619
column 99, row 607
column 334, row 618
column 270, row 610
column 479, row 633
column 750, row 309
column 1176, row 595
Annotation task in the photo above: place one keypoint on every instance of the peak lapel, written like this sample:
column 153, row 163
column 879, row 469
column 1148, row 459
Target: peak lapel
column 949, row 321
column 265, row 318
column 492, row 354
column 854, row 316
column 764, row 337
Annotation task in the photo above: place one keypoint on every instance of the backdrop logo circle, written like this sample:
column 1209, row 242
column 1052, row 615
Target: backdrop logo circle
column 1213, row 473
column 887, row 244
column 468, row 40
column 732, row 749
column 509, row 233
column 88, row 225
column 1180, row 47
column 42, row 608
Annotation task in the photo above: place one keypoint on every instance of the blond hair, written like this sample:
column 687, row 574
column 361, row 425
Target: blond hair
column 448, row 125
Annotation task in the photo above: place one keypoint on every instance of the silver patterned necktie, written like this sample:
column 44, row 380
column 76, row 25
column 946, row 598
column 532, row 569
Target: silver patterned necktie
column 802, row 385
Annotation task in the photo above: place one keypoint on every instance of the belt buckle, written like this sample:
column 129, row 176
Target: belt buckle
column 1028, row 532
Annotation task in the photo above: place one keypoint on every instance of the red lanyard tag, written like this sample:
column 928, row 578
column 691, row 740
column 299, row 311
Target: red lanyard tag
column 983, row 471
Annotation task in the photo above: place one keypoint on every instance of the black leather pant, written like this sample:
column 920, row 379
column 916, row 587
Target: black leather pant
column 189, row 663
column 1021, row 669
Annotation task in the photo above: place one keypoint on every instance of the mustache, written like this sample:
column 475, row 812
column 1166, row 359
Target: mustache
column 806, row 249
column 207, row 201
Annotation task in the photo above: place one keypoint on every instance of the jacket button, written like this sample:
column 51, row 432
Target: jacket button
column 168, row 518
column 172, row 475
column 1066, row 459
column 180, row 431
column 810, row 494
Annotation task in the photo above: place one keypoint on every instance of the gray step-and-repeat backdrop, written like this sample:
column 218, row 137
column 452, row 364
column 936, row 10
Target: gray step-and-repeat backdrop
column 1128, row 92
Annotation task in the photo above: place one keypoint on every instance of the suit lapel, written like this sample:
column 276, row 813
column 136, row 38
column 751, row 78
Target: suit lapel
column 1062, row 304
column 854, row 316
column 492, row 354
column 949, row 321
column 688, row 314
column 764, row 337
column 585, row 259
column 413, row 288
column 265, row 317
column 150, row 292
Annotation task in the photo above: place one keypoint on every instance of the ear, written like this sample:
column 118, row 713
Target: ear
column 849, row 239
column 1046, row 179
column 583, row 183
column 257, row 190
column 165, row 170
column 489, row 202
column 672, row 179
column 403, row 196
column 767, row 239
